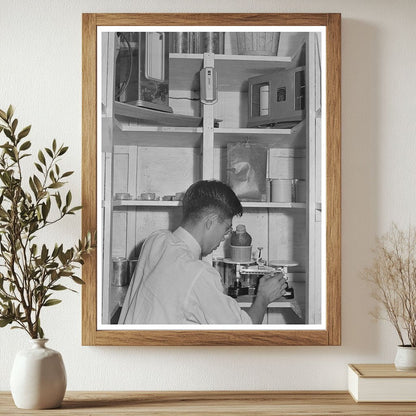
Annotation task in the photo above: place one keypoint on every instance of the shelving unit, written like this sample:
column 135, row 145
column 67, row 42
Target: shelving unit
column 155, row 136
column 283, row 138
column 264, row 205
column 164, row 153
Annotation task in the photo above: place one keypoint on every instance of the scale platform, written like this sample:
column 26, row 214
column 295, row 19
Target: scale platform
column 283, row 263
column 273, row 263
column 227, row 260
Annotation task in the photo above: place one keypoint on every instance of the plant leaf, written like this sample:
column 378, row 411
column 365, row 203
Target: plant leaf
column 76, row 279
column 59, row 287
column 41, row 157
column 10, row 112
column 63, row 150
column 44, row 253
column 14, row 125
column 40, row 332
column 25, row 145
column 51, row 302
column 34, row 249
column 45, row 211
column 24, row 132
column 58, row 199
column 5, row 321
column 37, row 182
column 68, row 199
column 56, row 185
column 33, row 187
column 8, row 133
column 39, row 167
column 69, row 173
column 77, row 208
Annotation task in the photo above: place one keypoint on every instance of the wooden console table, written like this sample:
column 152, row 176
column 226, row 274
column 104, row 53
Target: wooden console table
column 178, row 403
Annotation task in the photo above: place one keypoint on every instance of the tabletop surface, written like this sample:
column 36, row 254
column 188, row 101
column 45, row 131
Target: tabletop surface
column 318, row 403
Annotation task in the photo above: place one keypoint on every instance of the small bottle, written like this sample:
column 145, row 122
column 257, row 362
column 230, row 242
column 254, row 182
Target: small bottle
column 240, row 237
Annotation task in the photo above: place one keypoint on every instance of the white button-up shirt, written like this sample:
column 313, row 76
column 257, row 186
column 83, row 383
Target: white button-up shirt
column 171, row 285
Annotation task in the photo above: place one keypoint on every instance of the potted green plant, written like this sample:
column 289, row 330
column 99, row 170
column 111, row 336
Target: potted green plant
column 31, row 273
column 393, row 277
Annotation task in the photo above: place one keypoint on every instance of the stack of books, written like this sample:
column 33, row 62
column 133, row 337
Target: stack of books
column 381, row 383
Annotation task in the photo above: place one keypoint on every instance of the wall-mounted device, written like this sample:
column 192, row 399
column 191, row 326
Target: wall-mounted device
column 142, row 70
column 278, row 97
column 208, row 85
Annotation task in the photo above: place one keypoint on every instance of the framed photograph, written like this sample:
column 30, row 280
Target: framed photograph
column 211, row 173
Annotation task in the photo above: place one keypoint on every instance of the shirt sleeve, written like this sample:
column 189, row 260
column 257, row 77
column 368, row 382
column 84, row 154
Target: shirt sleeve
column 206, row 302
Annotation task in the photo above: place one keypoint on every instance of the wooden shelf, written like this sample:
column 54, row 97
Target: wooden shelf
column 283, row 138
column 155, row 117
column 180, row 403
column 233, row 70
column 157, row 136
column 272, row 205
column 139, row 203
column 170, row 136
column 157, row 129
column 256, row 205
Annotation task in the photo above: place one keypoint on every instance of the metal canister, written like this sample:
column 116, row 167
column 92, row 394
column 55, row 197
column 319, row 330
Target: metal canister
column 179, row 42
column 194, row 42
column 212, row 42
column 120, row 271
column 132, row 267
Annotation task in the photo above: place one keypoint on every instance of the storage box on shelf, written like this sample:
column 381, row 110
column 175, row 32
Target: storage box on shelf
column 381, row 383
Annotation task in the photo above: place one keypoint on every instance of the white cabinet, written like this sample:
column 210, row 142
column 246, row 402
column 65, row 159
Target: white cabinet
column 149, row 152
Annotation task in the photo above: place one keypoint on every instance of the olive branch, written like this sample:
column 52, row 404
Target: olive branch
column 30, row 273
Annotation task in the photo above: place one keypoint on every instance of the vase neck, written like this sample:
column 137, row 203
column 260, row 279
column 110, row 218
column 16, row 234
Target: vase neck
column 38, row 343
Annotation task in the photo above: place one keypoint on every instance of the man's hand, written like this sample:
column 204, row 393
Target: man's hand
column 271, row 287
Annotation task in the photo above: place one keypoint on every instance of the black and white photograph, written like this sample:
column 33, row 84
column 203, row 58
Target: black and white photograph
column 211, row 186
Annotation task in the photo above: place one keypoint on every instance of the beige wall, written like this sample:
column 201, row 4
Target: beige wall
column 40, row 73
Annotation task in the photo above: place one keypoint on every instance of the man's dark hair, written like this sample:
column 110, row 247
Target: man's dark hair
column 203, row 197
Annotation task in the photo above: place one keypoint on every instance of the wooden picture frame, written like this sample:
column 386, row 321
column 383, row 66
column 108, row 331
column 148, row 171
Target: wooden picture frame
column 330, row 333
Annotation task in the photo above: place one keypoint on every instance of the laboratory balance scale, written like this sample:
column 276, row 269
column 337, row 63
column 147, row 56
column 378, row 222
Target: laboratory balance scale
column 247, row 274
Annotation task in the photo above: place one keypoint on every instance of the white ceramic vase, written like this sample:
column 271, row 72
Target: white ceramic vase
column 38, row 377
column 405, row 358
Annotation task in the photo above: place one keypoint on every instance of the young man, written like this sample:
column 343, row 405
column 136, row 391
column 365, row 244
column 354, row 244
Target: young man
column 172, row 285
